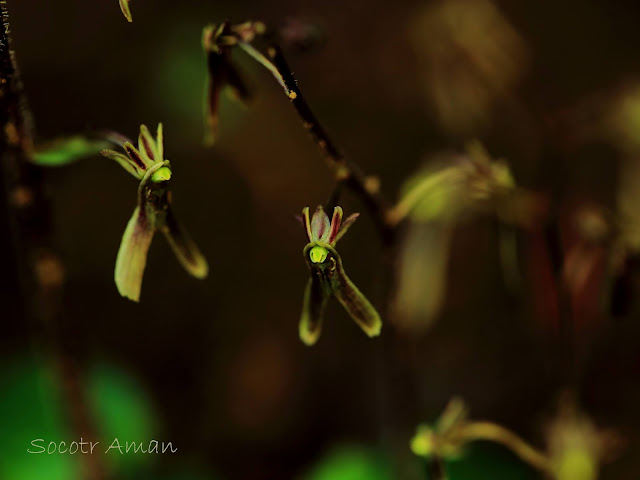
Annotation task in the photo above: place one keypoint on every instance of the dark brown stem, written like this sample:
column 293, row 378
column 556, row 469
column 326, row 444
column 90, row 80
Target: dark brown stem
column 436, row 469
column 344, row 171
column 40, row 270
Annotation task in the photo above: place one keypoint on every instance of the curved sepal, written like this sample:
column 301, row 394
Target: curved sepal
column 132, row 254
column 125, row 162
column 184, row 247
column 314, row 303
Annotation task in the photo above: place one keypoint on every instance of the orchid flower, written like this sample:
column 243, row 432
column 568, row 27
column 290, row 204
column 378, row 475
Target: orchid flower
column 153, row 213
column 328, row 278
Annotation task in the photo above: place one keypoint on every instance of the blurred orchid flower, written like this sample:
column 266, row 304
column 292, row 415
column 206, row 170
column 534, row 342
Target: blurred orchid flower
column 217, row 42
column 327, row 277
column 454, row 430
column 434, row 201
column 577, row 448
column 153, row 213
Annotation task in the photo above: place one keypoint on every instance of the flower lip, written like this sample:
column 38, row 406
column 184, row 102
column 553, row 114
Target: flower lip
column 163, row 174
column 318, row 254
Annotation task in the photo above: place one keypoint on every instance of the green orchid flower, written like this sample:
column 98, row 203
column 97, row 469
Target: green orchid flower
column 328, row 278
column 153, row 213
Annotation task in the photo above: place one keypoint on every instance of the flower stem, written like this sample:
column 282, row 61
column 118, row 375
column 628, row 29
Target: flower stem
column 497, row 433
column 345, row 172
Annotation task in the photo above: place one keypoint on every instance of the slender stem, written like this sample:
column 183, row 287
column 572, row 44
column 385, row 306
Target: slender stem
column 264, row 61
column 344, row 171
column 497, row 433
column 40, row 270
column 436, row 469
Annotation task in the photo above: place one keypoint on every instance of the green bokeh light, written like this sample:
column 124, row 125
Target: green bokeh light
column 351, row 463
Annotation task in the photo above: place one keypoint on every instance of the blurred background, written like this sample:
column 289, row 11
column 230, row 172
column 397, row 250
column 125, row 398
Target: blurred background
column 216, row 366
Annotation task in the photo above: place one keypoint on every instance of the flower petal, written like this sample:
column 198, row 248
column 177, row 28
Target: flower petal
column 184, row 248
column 125, row 162
column 314, row 303
column 124, row 6
column 335, row 225
column 215, row 81
column 421, row 268
column 147, row 146
column 132, row 255
column 355, row 303
column 134, row 155
column 320, row 226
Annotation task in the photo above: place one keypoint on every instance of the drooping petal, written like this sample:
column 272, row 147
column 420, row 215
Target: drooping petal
column 132, row 255
column 215, row 81
column 421, row 275
column 147, row 146
column 184, row 248
column 124, row 6
column 217, row 41
column 320, row 226
column 355, row 303
column 125, row 162
column 314, row 303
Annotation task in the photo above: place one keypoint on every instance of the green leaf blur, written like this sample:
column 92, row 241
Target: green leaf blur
column 63, row 151
column 351, row 463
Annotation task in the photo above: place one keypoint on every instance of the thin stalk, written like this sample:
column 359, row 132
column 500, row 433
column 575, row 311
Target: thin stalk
column 344, row 171
column 436, row 469
column 264, row 61
column 497, row 433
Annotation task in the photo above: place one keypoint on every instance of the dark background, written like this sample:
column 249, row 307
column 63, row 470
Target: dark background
column 216, row 366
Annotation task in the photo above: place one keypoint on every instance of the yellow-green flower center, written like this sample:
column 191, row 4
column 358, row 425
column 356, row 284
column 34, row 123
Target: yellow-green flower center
column 161, row 175
column 318, row 254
